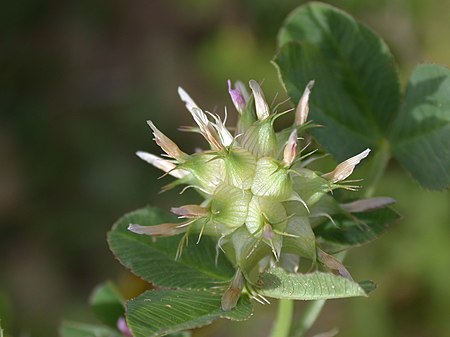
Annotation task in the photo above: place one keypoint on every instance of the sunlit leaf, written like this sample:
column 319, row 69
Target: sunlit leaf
column 356, row 93
column 278, row 283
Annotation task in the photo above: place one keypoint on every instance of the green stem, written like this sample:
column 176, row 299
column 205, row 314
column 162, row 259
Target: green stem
column 377, row 168
column 283, row 321
column 310, row 314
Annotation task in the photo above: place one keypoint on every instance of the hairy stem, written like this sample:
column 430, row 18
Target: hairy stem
column 283, row 321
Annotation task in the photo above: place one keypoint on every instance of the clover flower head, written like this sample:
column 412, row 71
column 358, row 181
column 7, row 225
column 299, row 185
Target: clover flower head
column 260, row 198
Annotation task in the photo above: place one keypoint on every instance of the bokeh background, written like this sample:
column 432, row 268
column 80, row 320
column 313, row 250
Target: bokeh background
column 78, row 80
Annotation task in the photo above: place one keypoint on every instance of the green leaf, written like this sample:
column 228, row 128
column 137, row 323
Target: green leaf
column 358, row 228
column 157, row 313
column 73, row 329
column 277, row 283
column 421, row 134
column 154, row 259
column 107, row 303
column 356, row 93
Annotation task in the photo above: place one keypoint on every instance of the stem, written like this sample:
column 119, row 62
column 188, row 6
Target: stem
column 283, row 321
column 377, row 168
column 312, row 311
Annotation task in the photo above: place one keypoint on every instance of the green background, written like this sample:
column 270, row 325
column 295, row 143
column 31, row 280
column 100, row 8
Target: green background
column 78, row 81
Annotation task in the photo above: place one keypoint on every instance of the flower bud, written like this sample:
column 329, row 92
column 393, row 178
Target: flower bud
column 245, row 251
column 237, row 98
column 301, row 113
column 262, row 109
column 122, row 326
column 166, row 143
column 344, row 169
column 240, row 167
column 271, row 180
column 262, row 211
column 260, row 139
column 290, row 150
column 229, row 208
column 162, row 164
column 208, row 171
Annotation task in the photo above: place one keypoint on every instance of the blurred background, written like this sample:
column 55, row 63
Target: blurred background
column 78, row 80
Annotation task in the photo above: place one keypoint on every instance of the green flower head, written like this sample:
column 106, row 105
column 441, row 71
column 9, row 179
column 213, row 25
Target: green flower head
column 260, row 198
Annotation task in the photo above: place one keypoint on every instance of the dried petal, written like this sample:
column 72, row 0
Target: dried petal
column 207, row 129
column 333, row 264
column 225, row 136
column 262, row 109
column 364, row 205
column 186, row 99
column 301, row 113
column 231, row 296
column 162, row 164
column 166, row 143
column 190, row 211
column 290, row 150
column 344, row 169
column 166, row 229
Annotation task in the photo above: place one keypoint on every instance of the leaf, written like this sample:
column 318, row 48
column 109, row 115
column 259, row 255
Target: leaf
column 421, row 133
column 277, row 283
column 107, row 303
column 73, row 329
column 356, row 93
column 157, row 313
column 154, row 260
column 357, row 229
